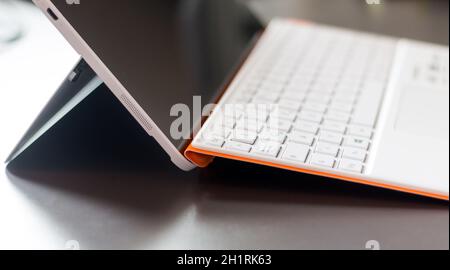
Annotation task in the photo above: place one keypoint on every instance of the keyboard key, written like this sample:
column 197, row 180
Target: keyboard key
column 357, row 143
column 227, row 122
column 351, row 166
column 338, row 116
column 297, row 89
column 351, row 89
column 334, row 127
column 301, row 138
column 249, row 87
column 256, row 112
column 269, row 87
column 323, row 160
column 299, row 97
column 216, row 142
column 315, row 107
column 241, row 99
column 307, row 127
column 322, row 88
column 345, row 98
column 215, row 130
column 246, row 137
column 296, row 152
column 327, row 149
column 343, row 107
column 289, row 104
column 273, row 136
column 267, row 97
column 331, row 137
column 319, row 98
column 222, row 134
column 233, row 113
column 250, row 125
column 360, row 131
column 355, row 154
column 311, row 116
column 283, row 114
column 280, row 125
column 267, row 148
column 237, row 146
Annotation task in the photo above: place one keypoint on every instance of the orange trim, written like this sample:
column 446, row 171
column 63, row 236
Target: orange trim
column 199, row 159
column 200, row 156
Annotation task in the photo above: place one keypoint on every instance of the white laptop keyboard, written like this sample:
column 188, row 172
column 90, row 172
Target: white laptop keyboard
column 308, row 95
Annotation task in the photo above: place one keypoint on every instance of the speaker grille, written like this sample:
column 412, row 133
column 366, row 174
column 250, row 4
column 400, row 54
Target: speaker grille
column 137, row 114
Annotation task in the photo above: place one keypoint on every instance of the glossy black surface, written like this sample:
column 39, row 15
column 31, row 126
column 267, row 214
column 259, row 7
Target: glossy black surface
column 165, row 52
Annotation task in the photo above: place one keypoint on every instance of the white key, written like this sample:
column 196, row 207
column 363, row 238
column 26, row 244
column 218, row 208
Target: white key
column 258, row 112
column 289, row 104
column 243, row 98
column 216, row 142
column 301, row 138
column 267, row 148
column 327, row 149
column 318, row 98
column 270, row 88
column 330, row 137
column 366, row 110
column 360, row 131
column 273, row 136
column 345, row 98
column 355, row 154
column 233, row 111
column 280, row 125
column 357, row 143
column 323, row 160
column 244, row 136
column 215, row 130
column 287, row 115
column 334, row 126
column 227, row 122
column 250, row 125
column 306, row 127
column 299, row 97
column 297, row 89
column 322, row 88
column 237, row 146
column 296, row 152
column 343, row 107
column 349, row 89
column 267, row 96
column 220, row 134
column 351, row 166
column 338, row 116
column 311, row 116
column 249, row 87
column 315, row 107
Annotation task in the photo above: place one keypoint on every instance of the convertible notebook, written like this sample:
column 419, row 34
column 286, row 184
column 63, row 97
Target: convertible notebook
column 321, row 100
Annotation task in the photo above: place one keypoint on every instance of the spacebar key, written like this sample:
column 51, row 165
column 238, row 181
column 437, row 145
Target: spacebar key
column 368, row 106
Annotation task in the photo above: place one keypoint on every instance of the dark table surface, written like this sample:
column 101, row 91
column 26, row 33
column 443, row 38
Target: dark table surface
column 106, row 185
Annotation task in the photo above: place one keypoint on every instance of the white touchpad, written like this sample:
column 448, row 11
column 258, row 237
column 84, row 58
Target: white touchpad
column 424, row 112
column 423, row 107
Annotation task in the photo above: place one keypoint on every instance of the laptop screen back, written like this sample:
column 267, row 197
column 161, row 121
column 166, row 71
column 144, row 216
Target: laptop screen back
column 165, row 52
